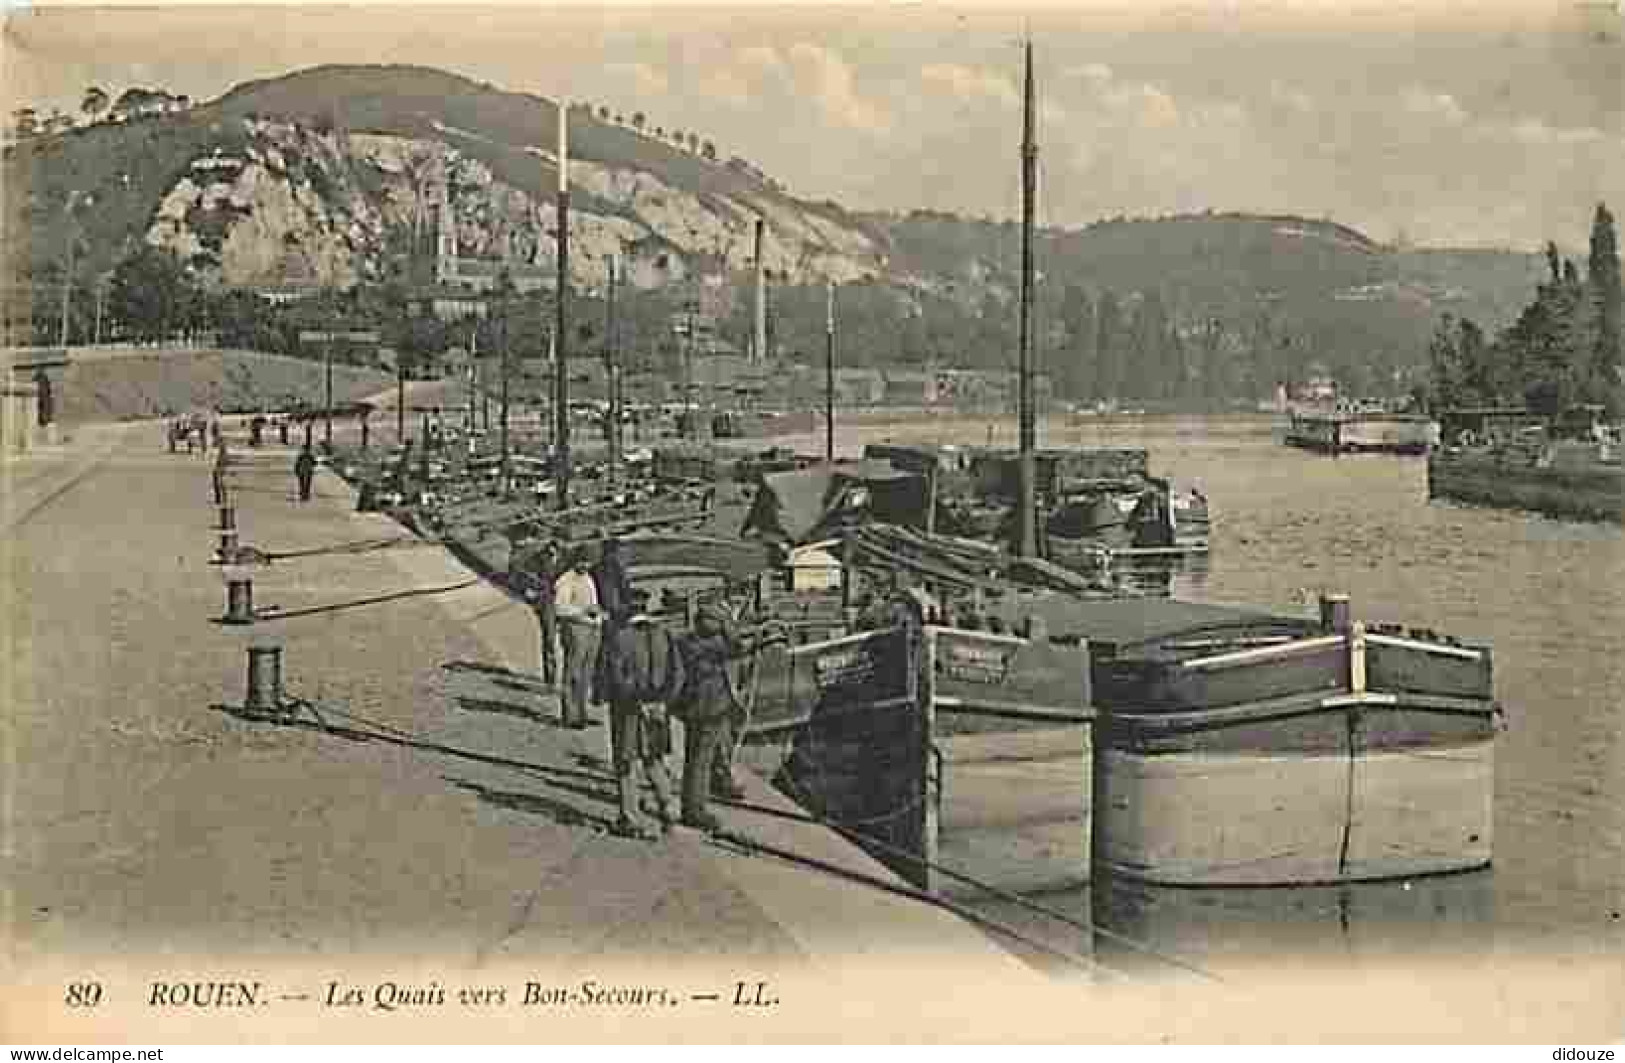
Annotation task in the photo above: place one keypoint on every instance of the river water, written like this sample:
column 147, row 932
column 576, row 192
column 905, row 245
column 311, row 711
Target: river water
column 1548, row 596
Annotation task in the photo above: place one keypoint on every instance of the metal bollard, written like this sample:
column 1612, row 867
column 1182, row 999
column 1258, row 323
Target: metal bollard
column 264, row 680
column 239, row 600
column 228, row 518
column 1335, row 613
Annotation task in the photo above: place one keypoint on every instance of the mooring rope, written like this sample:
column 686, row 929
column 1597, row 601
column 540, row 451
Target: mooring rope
column 850, row 829
column 857, row 837
column 755, row 845
column 359, row 546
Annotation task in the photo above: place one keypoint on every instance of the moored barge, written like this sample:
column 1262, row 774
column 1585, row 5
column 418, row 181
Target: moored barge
column 1361, row 430
column 1238, row 748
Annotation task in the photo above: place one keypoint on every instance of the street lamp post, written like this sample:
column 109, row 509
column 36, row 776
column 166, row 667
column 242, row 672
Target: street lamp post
column 101, row 304
column 507, row 481
column 691, row 416
column 473, row 370
column 327, row 387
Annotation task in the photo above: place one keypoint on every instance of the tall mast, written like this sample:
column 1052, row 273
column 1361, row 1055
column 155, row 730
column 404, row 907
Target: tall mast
column 829, row 372
column 561, row 334
column 1027, row 516
column 612, row 366
column 758, row 341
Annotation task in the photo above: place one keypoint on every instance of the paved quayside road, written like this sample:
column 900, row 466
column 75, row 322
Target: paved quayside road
column 454, row 821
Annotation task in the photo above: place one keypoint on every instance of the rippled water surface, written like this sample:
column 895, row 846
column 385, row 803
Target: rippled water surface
column 1548, row 596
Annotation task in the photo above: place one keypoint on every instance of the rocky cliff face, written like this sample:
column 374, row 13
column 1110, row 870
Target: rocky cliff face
column 298, row 205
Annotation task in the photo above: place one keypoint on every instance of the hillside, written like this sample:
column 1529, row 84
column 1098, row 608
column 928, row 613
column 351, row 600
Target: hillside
column 329, row 175
column 311, row 174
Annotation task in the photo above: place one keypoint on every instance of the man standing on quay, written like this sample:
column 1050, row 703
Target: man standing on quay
column 535, row 566
column 644, row 672
column 707, row 705
column 304, row 470
column 575, row 602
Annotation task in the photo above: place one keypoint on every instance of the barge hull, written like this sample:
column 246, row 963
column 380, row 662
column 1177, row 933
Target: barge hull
column 1253, row 819
column 1579, row 494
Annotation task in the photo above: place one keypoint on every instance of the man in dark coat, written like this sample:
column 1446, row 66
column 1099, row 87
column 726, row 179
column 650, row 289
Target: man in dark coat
column 614, row 585
column 533, row 567
column 643, row 674
column 304, row 470
column 706, row 708
column 218, row 477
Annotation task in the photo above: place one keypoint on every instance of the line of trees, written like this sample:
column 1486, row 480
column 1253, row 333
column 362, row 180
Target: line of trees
column 688, row 141
column 1562, row 351
column 96, row 105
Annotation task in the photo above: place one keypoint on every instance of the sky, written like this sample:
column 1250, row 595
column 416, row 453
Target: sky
column 1437, row 123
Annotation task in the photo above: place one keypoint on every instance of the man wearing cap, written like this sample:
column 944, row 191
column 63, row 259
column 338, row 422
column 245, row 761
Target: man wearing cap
column 575, row 602
column 708, row 703
column 614, row 587
column 643, row 674
column 304, row 470
column 534, row 566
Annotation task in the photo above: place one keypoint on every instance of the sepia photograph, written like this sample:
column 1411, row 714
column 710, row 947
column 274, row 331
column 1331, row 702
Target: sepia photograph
column 812, row 523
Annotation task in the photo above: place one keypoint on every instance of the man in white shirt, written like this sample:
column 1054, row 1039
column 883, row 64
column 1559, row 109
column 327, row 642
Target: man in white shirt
column 575, row 602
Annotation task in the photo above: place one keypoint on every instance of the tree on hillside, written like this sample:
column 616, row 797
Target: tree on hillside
column 1109, row 352
column 131, row 101
column 151, row 295
column 24, row 122
column 1603, row 277
column 638, row 119
column 247, row 322
column 1074, row 363
column 1459, row 365
column 603, row 113
column 709, row 151
column 94, row 103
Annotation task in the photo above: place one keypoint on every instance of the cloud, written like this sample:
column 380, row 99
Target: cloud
column 1439, row 106
column 645, row 79
column 1535, row 133
column 726, row 85
column 970, row 84
column 1098, row 75
column 759, row 59
column 1145, row 105
column 1291, row 98
column 827, row 80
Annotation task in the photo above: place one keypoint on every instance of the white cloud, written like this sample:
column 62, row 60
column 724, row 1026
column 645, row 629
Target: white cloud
column 826, row 78
column 1440, row 106
column 1536, row 133
column 726, row 85
column 1097, row 74
column 645, row 79
column 1146, row 106
column 970, row 84
column 761, row 59
column 1291, row 98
